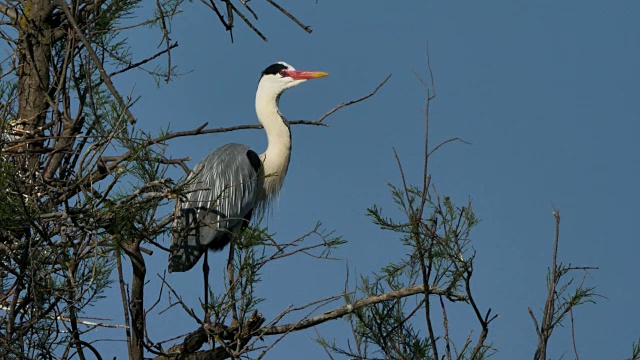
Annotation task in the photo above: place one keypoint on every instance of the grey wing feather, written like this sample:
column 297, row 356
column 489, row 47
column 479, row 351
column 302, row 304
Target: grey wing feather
column 223, row 189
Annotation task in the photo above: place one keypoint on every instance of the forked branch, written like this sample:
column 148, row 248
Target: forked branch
column 198, row 337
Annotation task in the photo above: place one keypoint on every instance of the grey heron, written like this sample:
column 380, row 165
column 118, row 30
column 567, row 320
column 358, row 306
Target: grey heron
column 233, row 182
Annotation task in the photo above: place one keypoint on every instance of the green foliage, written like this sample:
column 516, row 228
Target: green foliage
column 441, row 237
column 635, row 351
column 436, row 235
column 250, row 254
column 386, row 328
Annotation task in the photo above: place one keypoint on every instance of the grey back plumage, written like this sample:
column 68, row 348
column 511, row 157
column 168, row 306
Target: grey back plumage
column 222, row 191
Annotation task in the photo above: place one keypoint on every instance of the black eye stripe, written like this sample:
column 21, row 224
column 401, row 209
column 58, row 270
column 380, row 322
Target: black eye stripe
column 274, row 69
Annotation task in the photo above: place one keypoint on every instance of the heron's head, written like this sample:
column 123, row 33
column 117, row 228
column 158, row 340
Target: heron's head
column 280, row 76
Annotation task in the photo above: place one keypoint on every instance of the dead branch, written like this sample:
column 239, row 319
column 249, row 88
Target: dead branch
column 317, row 122
column 188, row 348
column 349, row 308
column 556, row 308
column 79, row 321
column 10, row 12
column 144, row 61
column 290, row 16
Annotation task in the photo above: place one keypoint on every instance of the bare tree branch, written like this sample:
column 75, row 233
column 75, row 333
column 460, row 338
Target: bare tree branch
column 349, row 308
column 349, row 102
column 10, row 12
column 142, row 62
column 288, row 14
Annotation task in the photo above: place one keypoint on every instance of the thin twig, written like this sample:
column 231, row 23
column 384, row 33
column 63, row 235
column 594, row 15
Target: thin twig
column 573, row 334
column 446, row 142
column 142, row 62
column 246, row 21
column 179, row 301
column 97, row 62
column 352, row 101
column 445, row 325
column 167, row 40
column 290, row 16
column 83, row 322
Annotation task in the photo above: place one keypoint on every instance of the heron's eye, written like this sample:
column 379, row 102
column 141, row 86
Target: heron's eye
column 283, row 73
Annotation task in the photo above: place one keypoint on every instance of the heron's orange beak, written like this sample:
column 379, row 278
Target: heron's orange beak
column 305, row 75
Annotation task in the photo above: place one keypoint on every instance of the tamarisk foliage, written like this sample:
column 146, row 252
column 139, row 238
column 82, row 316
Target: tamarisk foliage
column 436, row 234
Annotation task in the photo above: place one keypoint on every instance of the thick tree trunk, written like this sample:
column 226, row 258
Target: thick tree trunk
column 34, row 58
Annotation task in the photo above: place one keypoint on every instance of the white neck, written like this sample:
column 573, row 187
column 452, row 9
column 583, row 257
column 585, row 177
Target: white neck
column 275, row 159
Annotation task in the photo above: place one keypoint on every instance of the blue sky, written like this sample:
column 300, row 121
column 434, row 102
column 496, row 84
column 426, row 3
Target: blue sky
column 545, row 91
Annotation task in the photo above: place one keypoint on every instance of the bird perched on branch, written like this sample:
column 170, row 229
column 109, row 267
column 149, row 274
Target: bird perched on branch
column 233, row 182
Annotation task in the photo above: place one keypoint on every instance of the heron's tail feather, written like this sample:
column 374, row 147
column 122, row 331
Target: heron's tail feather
column 186, row 249
column 184, row 255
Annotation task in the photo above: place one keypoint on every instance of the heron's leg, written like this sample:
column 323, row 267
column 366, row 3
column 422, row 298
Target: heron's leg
column 232, row 280
column 237, row 233
column 205, row 271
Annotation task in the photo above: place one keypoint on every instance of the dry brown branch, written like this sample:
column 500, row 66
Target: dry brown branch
column 317, row 122
column 166, row 39
column 445, row 326
column 349, row 308
column 253, row 13
column 483, row 320
column 282, row 247
column 9, row 12
column 290, row 16
column 142, row 62
column 546, row 328
column 212, row 5
column 125, row 299
column 556, row 306
column 573, row 336
column 237, row 335
column 244, row 18
column 446, row 142
column 78, row 321
column 229, row 9
column 249, row 330
column 319, row 303
column 178, row 298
